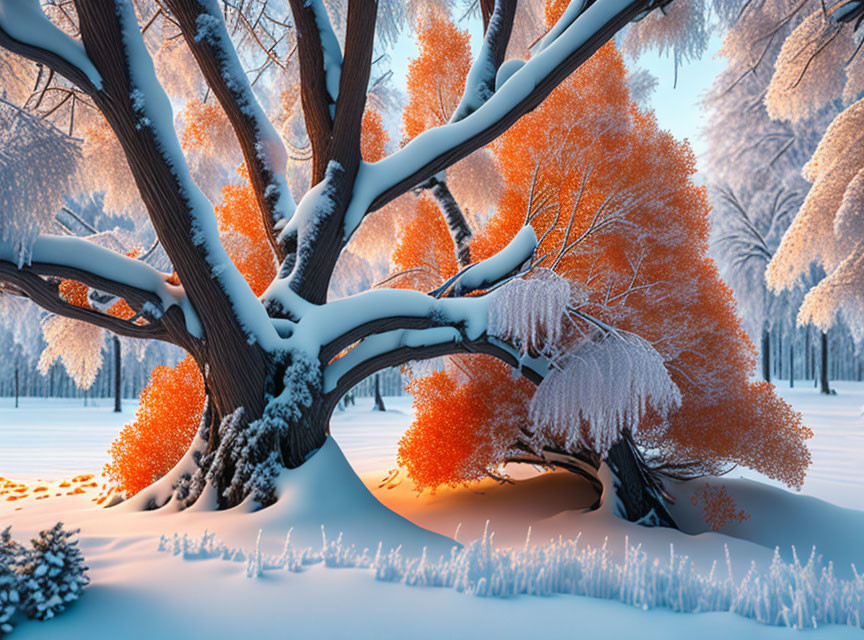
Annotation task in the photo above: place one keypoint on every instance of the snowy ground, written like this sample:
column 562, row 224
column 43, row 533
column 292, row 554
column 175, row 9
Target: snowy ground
column 57, row 438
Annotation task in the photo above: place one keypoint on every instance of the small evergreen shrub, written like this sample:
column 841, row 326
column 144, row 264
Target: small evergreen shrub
column 39, row 581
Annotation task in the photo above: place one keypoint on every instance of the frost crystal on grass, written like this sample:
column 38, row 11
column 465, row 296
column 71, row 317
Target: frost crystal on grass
column 793, row 594
column 530, row 311
column 608, row 384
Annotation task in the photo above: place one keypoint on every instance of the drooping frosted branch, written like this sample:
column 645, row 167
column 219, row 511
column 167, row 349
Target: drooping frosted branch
column 608, row 383
column 37, row 166
column 529, row 312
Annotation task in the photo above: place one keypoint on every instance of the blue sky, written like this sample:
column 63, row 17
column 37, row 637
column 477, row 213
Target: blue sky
column 678, row 107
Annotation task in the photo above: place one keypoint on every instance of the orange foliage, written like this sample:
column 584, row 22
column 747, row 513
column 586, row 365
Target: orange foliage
column 242, row 231
column 442, row 446
column 203, row 123
column 373, row 137
column 437, row 76
column 645, row 269
column 718, row 507
column 75, row 293
column 425, row 243
column 167, row 419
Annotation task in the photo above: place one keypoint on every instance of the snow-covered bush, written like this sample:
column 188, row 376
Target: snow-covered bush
column 51, row 573
column 10, row 552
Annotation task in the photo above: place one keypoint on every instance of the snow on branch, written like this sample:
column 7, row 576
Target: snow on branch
column 330, row 48
column 529, row 312
column 608, row 383
column 80, row 254
column 384, row 343
column 440, row 147
column 480, row 83
column 24, row 28
column 153, row 111
column 484, row 274
column 204, row 26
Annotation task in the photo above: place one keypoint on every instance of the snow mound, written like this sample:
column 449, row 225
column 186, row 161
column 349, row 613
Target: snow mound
column 325, row 491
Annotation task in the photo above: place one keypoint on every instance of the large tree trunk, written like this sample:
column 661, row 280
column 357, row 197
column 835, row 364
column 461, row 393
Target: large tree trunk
column 639, row 491
column 244, row 449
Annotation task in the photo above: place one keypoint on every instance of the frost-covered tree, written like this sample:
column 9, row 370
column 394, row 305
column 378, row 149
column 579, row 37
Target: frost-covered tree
column 51, row 574
column 10, row 590
column 820, row 64
column 754, row 166
column 274, row 364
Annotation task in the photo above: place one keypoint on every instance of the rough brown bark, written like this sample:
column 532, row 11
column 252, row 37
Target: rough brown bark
column 232, row 100
column 225, row 349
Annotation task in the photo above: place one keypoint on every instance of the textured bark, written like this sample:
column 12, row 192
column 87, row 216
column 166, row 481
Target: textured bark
column 210, row 61
column 639, row 491
column 335, row 143
column 225, row 348
column 457, row 223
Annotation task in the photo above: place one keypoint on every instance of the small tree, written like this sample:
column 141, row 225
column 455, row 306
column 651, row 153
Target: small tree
column 52, row 573
column 10, row 590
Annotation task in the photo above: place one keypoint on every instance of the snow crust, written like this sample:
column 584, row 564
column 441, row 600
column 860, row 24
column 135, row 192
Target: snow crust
column 24, row 21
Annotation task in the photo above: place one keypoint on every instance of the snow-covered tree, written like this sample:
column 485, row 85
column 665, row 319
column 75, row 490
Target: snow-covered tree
column 820, row 64
column 651, row 351
column 52, row 573
column 271, row 362
column 10, row 589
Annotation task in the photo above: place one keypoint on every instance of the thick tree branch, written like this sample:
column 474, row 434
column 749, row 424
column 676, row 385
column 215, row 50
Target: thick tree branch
column 314, row 96
column 354, row 82
column 203, row 28
column 26, row 31
column 45, row 294
column 480, row 83
column 438, row 148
